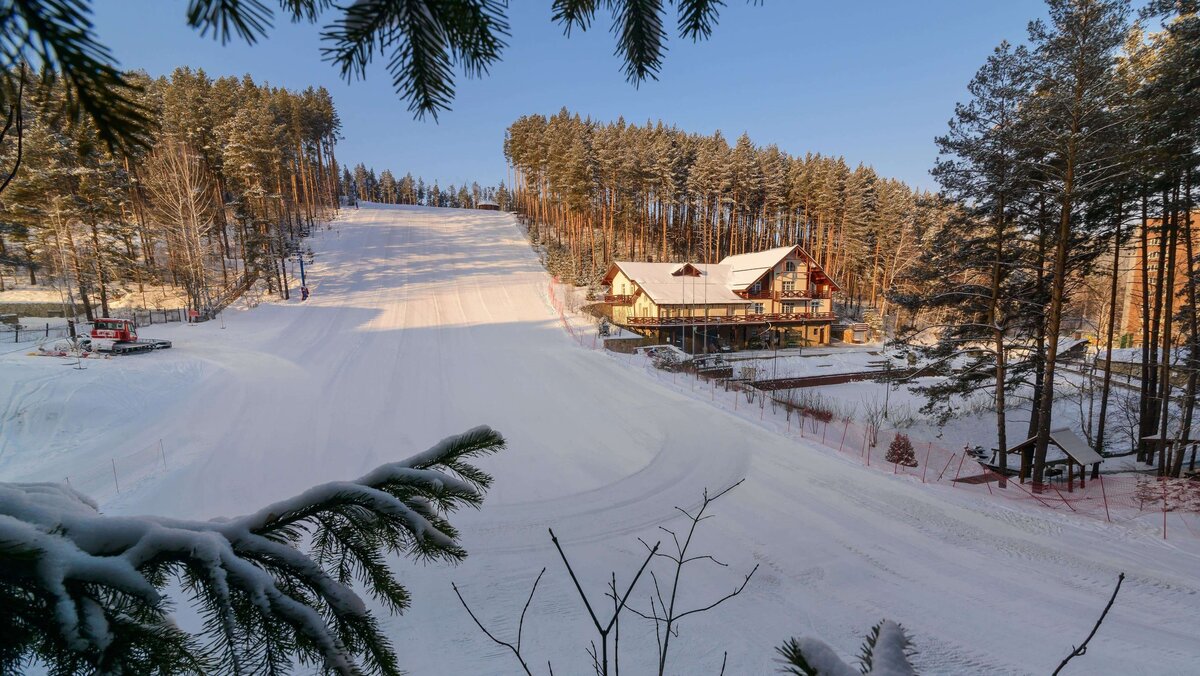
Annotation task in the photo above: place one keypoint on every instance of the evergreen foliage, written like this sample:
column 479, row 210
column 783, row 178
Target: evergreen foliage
column 363, row 185
column 886, row 650
column 901, row 451
column 593, row 191
column 231, row 178
column 84, row 593
column 423, row 41
column 1067, row 149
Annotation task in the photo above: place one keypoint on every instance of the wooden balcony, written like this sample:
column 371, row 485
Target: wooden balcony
column 802, row 294
column 618, row 300
column 724, row 320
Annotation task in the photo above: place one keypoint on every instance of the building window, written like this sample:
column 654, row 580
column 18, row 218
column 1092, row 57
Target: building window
column 816, row 306
column 789, row 308
column 757, row 287
column 623, row 289
column 757, row 308
column 789, row 266
column 789, row 286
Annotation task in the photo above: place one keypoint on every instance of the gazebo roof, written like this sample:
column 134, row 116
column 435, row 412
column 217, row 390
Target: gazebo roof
column 1194, row 438
column 1075, row 447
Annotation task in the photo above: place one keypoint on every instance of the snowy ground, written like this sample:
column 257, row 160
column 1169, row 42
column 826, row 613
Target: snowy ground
column 424, row 322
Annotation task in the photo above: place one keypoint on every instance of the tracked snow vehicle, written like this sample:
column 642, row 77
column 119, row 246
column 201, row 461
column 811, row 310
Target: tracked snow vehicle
column 119, row 336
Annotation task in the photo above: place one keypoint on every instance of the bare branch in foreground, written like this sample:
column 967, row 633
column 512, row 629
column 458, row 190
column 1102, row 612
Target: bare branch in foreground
column 1082, row 649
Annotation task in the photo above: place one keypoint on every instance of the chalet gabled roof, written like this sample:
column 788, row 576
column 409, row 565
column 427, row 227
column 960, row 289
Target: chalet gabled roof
column 709, row 283
column 665, row 285
column 748, row 268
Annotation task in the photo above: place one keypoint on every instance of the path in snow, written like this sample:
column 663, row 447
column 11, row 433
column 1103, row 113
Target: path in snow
column 424, row 322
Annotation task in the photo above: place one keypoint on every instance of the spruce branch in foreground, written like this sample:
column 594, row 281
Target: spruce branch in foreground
column 886, row 650
column 83, row 592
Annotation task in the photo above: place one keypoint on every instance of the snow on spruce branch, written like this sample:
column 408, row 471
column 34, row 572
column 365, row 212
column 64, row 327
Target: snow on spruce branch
column 83, row 592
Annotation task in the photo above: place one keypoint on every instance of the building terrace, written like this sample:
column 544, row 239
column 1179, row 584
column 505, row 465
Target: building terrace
column 779, row 296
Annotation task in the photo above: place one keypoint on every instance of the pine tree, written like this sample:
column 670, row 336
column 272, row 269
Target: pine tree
column 901, row 451
column 87, row 593
column 1072, row 122
column 975, row 280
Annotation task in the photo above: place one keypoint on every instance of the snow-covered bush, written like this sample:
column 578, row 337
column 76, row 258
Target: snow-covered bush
column 667, row 360
column 886, row 650
column 84, row 593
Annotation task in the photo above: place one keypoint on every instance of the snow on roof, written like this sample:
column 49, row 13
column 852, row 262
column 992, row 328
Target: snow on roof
column 1177, row 435
column 1070, row 443
column 1075, row 447
column 664, row 287
column 1067, row 344
column 1133, row 355
column 748, row 267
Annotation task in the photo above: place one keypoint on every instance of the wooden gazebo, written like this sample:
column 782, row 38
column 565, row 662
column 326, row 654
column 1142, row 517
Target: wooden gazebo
column 1181, row 441
column 1075, row 452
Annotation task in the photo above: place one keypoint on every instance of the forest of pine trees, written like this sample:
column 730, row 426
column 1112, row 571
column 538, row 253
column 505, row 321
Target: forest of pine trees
column 1068, row 149
column 233, row 176
column 595, row 191
column 363, row 184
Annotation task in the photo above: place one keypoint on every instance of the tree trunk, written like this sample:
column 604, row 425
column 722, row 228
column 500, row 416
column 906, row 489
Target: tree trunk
column 1112, row 323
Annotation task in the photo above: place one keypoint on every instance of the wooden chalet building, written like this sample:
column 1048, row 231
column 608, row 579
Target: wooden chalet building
column 775, row 297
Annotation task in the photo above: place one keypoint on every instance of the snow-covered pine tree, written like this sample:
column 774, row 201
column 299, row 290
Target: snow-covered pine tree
column 975, row 277
column 1074, row 124
column 85, row 593
column 886, row 650
column 901, row 451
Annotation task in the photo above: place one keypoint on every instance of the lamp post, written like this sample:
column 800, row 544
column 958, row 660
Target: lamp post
column 887, row 385
column 775, row 360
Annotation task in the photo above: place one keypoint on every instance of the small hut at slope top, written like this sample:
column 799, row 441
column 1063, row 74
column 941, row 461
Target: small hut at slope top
column 1065, row 448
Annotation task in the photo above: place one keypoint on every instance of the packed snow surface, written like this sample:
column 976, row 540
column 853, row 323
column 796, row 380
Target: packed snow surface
column 427, row 322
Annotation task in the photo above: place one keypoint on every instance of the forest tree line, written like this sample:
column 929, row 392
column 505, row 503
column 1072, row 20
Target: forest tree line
column 1069, row 148
column 594, row 191
column 218, row 195
column 363, row 184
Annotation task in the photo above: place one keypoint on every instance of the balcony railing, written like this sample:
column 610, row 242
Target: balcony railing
column 782, row 295
column 781, row 317
column 618, row 300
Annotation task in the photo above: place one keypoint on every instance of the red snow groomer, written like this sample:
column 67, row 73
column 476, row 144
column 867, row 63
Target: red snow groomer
column 119, row 336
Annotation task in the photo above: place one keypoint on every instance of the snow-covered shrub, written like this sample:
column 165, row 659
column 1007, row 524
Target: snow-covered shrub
column 902, row 416
column 901, row 451
column 811, row 405
column 887, row 650
column 667, row 360
column 83, row 593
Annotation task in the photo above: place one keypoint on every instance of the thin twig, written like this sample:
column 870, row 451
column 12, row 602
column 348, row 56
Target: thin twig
column 1082, row 649
column 521, row 623
column 516, row 650
column 602, row 630
column 721, row 600
column 574, row 579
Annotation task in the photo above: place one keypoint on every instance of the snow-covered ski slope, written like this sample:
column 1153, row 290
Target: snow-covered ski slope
column 425, row 322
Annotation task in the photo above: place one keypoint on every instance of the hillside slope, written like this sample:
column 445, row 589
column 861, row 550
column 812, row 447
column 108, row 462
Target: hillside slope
column 424, row 322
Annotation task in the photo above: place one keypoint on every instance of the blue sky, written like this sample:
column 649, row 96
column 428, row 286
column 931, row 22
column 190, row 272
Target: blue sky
column 873, row 81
